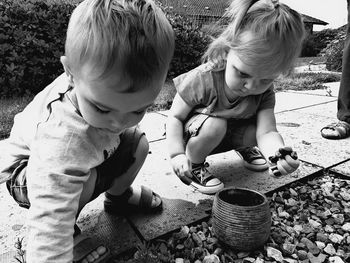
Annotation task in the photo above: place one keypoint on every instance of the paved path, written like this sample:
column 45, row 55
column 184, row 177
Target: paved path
column 300, row 116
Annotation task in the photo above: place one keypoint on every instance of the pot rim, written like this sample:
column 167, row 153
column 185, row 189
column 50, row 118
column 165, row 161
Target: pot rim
column 241, row 189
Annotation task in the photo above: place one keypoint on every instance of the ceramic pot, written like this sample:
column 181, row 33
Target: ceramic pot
column 241, row 218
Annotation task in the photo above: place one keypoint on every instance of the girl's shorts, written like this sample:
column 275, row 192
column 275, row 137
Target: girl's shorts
column 113, row 167
column 234, row 137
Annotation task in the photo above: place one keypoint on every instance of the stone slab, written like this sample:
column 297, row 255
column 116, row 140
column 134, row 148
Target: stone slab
column 115, row 232
column 343, row 168
column 301, row 130
column 9, row 257
column 12, row 221
column 182, row 204
column 153, row 124
column 286, row 101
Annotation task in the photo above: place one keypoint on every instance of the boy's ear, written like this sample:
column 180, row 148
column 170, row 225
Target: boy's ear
column 64, row 62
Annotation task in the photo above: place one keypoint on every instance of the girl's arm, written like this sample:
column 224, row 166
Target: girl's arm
column 174, row 128
column 267, row 136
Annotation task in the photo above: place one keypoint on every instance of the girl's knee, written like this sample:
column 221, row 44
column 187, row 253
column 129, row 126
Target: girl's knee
column 214, row 128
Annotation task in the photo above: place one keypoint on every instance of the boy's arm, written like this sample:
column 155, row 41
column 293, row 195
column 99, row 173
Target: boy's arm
column 268, row 138
column 56, row 173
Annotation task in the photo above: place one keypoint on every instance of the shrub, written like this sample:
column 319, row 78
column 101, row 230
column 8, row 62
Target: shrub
column 334, row 51
column 32, row 35
column 190, row 44
column 317, row 41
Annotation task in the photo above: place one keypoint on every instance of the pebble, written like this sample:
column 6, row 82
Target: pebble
column 346, row 227
column 274, row 253
column 335, row 238
column 335, row 259
column 321, row 237
column 211, row 259
column 329, row 249
column 310, row 224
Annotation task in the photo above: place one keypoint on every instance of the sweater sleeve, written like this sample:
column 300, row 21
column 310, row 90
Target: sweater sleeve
column 195, row 87
column 59, row 165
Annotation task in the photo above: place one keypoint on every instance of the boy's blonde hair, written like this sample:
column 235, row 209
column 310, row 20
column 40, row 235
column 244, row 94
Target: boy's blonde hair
column 265, row 35
column 133, row 34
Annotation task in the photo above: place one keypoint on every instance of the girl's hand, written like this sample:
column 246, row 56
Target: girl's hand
column 285, row 161
column 182, row 168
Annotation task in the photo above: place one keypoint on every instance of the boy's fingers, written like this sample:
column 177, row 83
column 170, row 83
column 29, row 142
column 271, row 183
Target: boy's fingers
column 292, row 162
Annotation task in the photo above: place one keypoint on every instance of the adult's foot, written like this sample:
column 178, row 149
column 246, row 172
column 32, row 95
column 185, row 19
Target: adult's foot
column 336, row 131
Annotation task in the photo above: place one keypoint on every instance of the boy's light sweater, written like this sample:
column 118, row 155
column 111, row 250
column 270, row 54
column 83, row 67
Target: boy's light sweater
column 61, row 149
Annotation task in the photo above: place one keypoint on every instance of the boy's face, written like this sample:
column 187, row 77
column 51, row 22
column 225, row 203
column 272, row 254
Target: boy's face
column 105, row 104
column 243, row 80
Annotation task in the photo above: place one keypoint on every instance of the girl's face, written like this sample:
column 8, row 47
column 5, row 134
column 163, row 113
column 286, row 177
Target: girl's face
column 243, row 80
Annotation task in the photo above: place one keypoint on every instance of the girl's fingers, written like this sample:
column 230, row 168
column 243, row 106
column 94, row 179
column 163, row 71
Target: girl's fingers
column 281, row 168
column 292, row 162
column 283, row 164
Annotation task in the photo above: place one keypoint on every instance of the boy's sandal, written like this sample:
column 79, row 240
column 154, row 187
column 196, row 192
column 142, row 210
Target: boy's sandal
column 340, row 130
column 87, row 249
column 119, row 205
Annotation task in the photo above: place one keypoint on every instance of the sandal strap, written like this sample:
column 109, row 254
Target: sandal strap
column 341, row 127
column 123, row 198
column 146, row 197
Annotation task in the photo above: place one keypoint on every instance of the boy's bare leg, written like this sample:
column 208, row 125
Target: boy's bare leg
column 119, row 186
column 211, row 133
column 123, row 182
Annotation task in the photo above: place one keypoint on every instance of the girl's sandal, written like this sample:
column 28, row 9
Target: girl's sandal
column 119, row 205
column 340, row 130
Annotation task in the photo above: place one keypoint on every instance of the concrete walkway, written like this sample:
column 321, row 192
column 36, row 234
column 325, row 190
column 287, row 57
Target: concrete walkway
column 300, row 116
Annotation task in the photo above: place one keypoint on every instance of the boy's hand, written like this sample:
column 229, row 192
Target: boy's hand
column 182, row 168
column 285, row 161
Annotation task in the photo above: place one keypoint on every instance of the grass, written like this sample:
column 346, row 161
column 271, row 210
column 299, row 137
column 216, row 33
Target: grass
column 8, row 109
column 299, row 81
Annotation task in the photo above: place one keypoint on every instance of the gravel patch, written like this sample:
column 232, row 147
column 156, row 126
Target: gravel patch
column 310, row 223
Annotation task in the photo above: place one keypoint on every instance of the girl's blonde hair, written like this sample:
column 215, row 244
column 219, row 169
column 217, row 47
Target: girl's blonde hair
column 265, row 35
column 133, row 34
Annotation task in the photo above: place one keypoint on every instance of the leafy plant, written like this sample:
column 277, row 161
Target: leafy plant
column 146, row 253
column 32, row 35
column 20, row 252
column 334, row 51
column 314, row 43
column 190, row 44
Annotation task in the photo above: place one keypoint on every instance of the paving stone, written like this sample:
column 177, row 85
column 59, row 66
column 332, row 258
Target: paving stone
column 182, row 204
column 8, row 257
column 112, row 231
column 286, row 101
column 12, row 221
column 343, row 168
column 115, row 232
column 301, row 130
column 153, row 124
